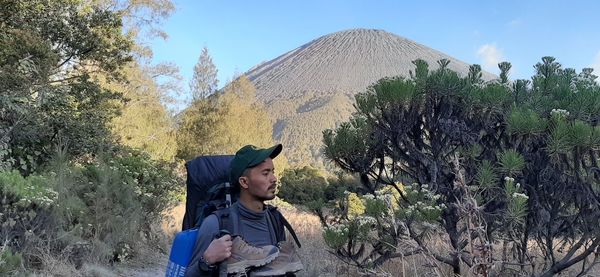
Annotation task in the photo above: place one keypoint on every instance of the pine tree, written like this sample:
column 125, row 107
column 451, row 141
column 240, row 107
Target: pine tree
column 204, row 82
column 224, row 122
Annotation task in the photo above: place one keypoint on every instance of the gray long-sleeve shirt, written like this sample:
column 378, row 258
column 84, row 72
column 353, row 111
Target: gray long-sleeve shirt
column 255, row 228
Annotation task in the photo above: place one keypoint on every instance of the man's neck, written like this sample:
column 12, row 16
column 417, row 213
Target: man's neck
column 251, row 203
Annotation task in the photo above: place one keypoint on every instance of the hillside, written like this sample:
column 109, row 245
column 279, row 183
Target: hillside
column 311, row 88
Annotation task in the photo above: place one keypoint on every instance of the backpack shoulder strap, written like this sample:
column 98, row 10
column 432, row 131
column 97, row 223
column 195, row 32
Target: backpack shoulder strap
column 279, row 222
column 228, row 219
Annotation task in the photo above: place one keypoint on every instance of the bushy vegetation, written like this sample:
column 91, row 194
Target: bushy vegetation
column 504, row 172
column 341, row 183
column 73, row 85
column 302, row 185
column 97, row 210
column 9, row 261
column 309, row 187
column 87, row 145
column 45, row 78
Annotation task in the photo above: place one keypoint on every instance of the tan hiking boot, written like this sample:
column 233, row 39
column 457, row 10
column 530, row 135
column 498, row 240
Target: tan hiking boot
column 244, row 255
column 288, row 261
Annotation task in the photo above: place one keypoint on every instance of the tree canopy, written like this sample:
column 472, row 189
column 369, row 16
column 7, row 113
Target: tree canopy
column 49, row 50
column 481, row 162
column 74, row 88
column 224, row 122
column 204, row 82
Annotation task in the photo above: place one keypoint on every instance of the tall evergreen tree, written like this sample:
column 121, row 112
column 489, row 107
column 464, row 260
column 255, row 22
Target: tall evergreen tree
column 204, row 82
column 224, row 122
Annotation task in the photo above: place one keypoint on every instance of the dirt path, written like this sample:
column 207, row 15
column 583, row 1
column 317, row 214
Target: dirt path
column 151, row 265
column 151, row 269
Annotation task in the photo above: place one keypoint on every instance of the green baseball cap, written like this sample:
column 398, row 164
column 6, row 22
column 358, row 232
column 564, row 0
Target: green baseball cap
column 250, row 156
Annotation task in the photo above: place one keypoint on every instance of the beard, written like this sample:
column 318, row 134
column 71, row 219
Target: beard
column 269, row 195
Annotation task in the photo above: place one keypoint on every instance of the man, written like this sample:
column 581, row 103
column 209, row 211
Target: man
column 259, row 231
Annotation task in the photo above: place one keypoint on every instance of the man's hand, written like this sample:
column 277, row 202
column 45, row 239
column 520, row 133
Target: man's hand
column 218, row 250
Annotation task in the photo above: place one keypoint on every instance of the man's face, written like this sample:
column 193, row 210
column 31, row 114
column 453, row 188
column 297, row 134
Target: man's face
column 260, row 182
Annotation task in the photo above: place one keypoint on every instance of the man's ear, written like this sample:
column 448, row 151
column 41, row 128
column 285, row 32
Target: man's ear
column 243, row 182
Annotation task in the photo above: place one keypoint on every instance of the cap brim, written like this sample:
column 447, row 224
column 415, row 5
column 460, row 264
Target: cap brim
column 266, row 153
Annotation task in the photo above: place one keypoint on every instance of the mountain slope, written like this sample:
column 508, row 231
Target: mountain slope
column 311, row 88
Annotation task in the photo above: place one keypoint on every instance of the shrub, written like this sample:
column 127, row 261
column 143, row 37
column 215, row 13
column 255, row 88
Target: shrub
column 32, row 190
column 354, row 205
column 113, row 204
column 512, row 163
column 339, row 184
column 9, row 262
column 25, row 215
column 156, row 185
column 302, row 185
column 101, row 209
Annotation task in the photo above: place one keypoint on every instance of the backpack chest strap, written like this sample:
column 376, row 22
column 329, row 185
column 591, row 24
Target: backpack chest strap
column 229, row 220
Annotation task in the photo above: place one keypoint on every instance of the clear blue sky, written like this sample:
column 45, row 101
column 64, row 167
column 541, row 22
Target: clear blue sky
column 241, row 34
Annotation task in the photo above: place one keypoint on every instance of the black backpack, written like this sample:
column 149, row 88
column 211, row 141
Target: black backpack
column 203, row 173
column 209, row 192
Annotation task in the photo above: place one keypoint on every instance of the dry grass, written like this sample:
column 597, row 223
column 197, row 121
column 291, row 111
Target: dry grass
column 314, row 255
column 318, row 262
column 173, row 220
